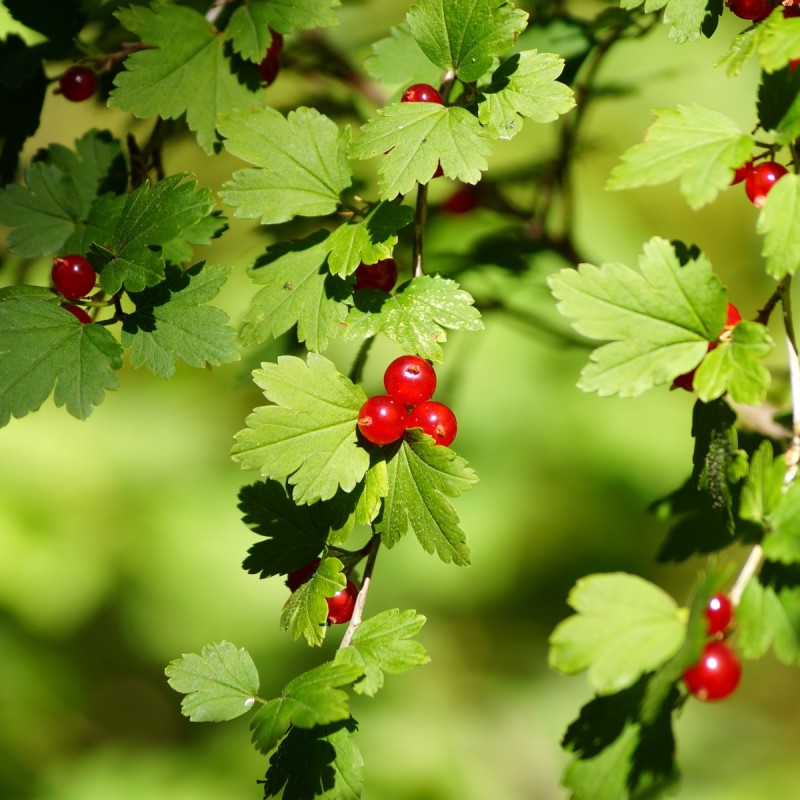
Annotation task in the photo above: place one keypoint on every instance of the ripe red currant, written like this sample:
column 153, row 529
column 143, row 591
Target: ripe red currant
column 753, row 10
column 421, row 93
column 78, row 83
column 380, row 275
column 741, row 173
column 294, row 580
column 270, row 65
column 382, row 420
column 760, row 180
column 719, row 613
column 435, row 419
column 463, row 200
column 409, row 380
column 73, row 276
column 78, row 312
column 342, row 604
column 716, row 674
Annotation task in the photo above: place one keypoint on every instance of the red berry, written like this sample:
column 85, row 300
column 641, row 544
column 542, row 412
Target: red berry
column 716, row 674
column 409, row 380
column 791, row 11
column 761, row 178
column 435, row 419
column 753, row 10
column 380, row 275
column 271, row 63
column 294, row 580
column 462, row 201
column 73, row 276
column 421, row 93
column 438, row 171
column 341, row 605
column 719, row 613
column 78, row 312
column 741, row 173
column 78, row 83
column 382, row 420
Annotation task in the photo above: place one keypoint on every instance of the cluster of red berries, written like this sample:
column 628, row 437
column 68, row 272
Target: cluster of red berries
column 270, row 65
column 77, row 83
column 410, row 382
column 758, row 179
column 73, row 277
column 340, row 606
column 732, row 318
column 716, row 675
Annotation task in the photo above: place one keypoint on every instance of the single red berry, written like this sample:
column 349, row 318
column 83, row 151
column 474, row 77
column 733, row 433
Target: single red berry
column 463, row 200
column 270, row 65
column 435, row 419
column 791, row 11
column 438, row 172
column 409, row 380
column 719, row 613
column 741, row 173
column 78, row 312
column 342, row 604
column 716, row 674
column 78, row 83
column 421, row 93
column 294, row 580
column 753, row 10
column 382, row 420
column 73, row 276
column 760, row 180
column 380, row 275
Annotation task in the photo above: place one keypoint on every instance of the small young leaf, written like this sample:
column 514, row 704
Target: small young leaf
column 422, row 475
column 782, row 542
column 383, row 644
column 300, row 160
column 701, row 146
column 306, row 611
column 181, row 249
column 309, row 434
column 466, row 36
column 762, row 489
column 779, row 223
column 220, row 684
column 779, row 41
column 99, row 226
column 398, row 60
column 623, row 628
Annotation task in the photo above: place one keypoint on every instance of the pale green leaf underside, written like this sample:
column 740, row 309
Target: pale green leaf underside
column 779, row 224
column 778, row 41
column 766, row 616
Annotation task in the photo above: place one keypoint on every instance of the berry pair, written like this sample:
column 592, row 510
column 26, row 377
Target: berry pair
column 410, row 382
column 73, row 277
column 716, row 675
column 340, row 606
column 758, row 179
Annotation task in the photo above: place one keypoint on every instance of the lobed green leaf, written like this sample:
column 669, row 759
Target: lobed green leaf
column 306, row 611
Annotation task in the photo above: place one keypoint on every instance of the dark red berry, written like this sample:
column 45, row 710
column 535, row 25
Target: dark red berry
column 716, row 674
column 435, row 419
column 421, row 93
column 791, row 11
column 294, row 580
column 78, row 312
column 760, row 180
column 741, row 173
column 380, row 275
column 78, row 83
column 753, row 10
column 438, row 172
column 73, row 276
column 463, row 200
column 382, row 420
column 270, row 65
column 342, row 604
column 719, row 613
column 409, row 380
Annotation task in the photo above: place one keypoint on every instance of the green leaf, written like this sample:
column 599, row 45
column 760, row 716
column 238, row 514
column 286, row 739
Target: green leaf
column 172, row 322
column 152, row 216
column 99, row 226
column 743, row 47
column 422, row 475
column 383, row 644
column 686, row 18
column 466, row 36
column 398, row 60
column 415, row 317
column 779, row 223
column 309, row 434
column 370, row 240
column 300, row 160
column 413, row 139
column 605, row 775
column 184, row 71
column 782, row 542
column 701, row 146
column 310, row 699
column 322, row 763
column 525, row 85
column 763, row 487
column 298, row 290
column 623, row 628
column 306, row 611
column 220, row 684
column 46, row 349
column 778, row 42
column 660, row 319
column 181, row 249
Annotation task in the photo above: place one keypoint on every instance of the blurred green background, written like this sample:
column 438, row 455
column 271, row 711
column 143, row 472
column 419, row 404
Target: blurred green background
column 121, row 544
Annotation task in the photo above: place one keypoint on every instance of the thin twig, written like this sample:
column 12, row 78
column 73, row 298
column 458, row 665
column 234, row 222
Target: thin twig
column 361, row 600
column 420, row 217
column 750, row 568
column 212, row 15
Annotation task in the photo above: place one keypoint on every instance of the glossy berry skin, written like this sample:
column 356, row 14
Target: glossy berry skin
column 760, row 180
column 73, row 276
column 381, row 275
column 741, row 173
column 342, row 604
column 270, row 65
column 78, row 312
column 435, row 419
column 753, row 10
column 294, row 580
column 78, row 83
column 409, row 380
column 421, row 93
column 719, row 613
column 382, row 420
column 716, row 674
